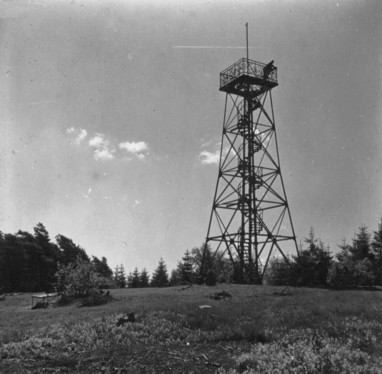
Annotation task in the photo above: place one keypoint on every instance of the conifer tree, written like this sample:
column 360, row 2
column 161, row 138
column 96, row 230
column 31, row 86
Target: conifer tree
column 133, row 280
column 102, row 267
column 160, row 276
column 186, row 269
column 144, row 278
column 174, row 278
column 70, row 251
column 361, row 248
column 209, row 276
column 120, row 276
column 50, row 256
column 355, row 265
column 312, row 265
column 376, row 246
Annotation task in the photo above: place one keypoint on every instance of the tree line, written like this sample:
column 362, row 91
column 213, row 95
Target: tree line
column 357, row 264
column 33, row 262
column 140, row 279
column 30, row 262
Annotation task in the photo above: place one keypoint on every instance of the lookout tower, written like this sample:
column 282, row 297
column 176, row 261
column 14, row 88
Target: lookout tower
column 250, row 219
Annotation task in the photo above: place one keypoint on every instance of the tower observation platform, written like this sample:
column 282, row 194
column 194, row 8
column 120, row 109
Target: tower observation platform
column 248, row 75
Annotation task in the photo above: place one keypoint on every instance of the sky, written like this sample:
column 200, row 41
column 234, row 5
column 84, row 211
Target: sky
column 111, row 117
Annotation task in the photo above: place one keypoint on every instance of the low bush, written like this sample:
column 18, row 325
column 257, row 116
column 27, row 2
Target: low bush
column 347, row 274
column 78, row 279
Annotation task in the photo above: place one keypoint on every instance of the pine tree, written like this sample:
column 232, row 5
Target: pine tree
column 376, row 246
column 102, row 267
column 116, row 275
column 186, row 269
column 355, row 265
column 71, row 251
column 144, row 278
column 41, row 234
column 133, row 280
column 50, row 257
column 361, row 248
column 33, row 255
column 197, row 257
column 174, row 278
column 160, row 276
column 120, row 276
column 312, row 265
column 208, row 273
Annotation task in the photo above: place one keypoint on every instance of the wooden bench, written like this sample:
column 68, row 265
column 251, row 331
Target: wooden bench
column 43, row 298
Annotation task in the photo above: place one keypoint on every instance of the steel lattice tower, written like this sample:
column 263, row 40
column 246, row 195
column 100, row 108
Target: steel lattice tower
column 250, row 218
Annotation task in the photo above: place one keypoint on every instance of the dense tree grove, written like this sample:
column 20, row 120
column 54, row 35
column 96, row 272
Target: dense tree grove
column 358, row 264
column 29, row 262
column 216, row 268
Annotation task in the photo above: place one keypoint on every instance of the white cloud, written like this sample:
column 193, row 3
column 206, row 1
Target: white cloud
column 208, row 158
column 103, row 149
column 81, row 136
column 134, row 147
column 103, row 154
column 139, row 149
column 97, row 141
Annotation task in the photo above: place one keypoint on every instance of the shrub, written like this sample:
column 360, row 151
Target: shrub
column 78, row 279
column 279, row 272
column 340, row 275
column 346, row 273
column 96, row 298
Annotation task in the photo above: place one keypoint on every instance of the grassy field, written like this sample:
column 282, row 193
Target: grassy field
column 254, row 329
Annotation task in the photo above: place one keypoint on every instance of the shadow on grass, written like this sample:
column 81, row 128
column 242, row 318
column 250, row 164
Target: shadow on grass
column 249, row 332
column 86, row 301
column 226, row 327
column 222, row 295
column 59, row 362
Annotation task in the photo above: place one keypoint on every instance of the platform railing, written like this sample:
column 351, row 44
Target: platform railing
column 247, row 67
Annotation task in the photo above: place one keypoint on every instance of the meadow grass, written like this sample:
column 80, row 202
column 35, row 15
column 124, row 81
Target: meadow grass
column 259, row 329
